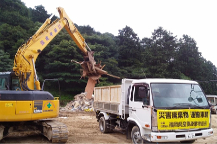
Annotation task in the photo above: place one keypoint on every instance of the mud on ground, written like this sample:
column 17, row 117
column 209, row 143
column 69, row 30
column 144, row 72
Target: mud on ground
column 83, row 128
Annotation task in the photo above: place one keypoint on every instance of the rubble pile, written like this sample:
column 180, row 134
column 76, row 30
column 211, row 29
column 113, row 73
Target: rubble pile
column 80, row 103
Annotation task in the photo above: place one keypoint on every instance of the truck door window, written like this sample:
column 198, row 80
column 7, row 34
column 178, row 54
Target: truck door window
column 141, row 94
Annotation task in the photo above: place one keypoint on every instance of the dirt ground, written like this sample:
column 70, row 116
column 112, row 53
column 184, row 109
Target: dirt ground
column 83, row 128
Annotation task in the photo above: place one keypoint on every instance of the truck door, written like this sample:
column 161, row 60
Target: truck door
column 139, row 104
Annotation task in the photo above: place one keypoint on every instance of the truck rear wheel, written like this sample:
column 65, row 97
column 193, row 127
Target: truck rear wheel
column 104, row 125
column 136, row 136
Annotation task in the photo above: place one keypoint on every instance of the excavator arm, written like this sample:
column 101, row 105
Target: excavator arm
column 25, row 58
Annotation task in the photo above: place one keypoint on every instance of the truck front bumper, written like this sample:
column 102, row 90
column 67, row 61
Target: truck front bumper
column 180, row 136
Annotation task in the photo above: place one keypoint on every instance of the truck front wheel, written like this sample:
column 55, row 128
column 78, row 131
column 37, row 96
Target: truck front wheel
column 136, row 136
column 104, row 125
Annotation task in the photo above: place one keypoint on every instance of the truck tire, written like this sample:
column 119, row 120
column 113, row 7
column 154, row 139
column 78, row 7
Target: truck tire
column 136, row 136
column 103, row 125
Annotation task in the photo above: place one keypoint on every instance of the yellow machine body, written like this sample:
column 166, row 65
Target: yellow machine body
column 21, row 97
column 28, row 110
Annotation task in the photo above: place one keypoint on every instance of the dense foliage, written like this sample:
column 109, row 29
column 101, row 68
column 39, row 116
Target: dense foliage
column 160, row 56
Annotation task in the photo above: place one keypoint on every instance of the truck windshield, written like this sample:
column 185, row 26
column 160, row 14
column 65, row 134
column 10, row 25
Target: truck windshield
column 178, row 96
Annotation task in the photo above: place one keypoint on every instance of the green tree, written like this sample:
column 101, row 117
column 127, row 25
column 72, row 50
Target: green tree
column 5, row 62
column 208, row 77
column 129, row 48
column 11, row 37
column 130, row 59
column 88, row 30
column 189, row 58
column 15, row 13
column 160, row 54
column 39, row 14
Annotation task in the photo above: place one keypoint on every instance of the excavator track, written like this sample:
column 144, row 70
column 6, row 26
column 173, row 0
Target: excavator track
column 55, row 131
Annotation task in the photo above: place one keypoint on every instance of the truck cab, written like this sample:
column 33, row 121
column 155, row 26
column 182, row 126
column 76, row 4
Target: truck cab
column 175, row 110
column 156, row 110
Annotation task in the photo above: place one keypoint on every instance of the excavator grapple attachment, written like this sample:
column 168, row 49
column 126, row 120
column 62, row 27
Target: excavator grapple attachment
column 93, row 71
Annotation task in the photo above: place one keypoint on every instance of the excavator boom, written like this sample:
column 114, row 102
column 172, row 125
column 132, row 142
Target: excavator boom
column 25, row 58
column 73, row 31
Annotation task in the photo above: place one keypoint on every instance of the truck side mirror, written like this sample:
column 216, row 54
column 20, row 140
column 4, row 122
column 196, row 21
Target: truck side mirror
column 190, row 99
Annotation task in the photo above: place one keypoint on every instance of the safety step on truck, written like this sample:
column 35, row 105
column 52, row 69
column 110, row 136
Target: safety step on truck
column 154, row 110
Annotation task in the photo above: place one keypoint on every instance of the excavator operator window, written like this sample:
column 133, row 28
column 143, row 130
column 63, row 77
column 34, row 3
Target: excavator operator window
column 15, row 83
column 3, row 83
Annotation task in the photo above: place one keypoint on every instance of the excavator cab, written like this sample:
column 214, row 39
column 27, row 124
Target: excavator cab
column 9, row 81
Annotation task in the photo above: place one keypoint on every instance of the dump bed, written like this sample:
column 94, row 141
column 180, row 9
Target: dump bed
column 113, row 99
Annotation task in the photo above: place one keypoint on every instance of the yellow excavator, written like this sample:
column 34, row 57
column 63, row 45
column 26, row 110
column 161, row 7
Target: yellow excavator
column 26, row 106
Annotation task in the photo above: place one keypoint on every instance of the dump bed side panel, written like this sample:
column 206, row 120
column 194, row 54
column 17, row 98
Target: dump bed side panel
column 107, row 98
column 113, row 99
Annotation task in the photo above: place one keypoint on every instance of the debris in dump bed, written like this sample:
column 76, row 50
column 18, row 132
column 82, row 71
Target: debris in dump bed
column 80, row 103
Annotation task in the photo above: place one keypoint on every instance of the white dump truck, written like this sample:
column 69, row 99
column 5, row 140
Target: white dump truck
column 154, row 110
